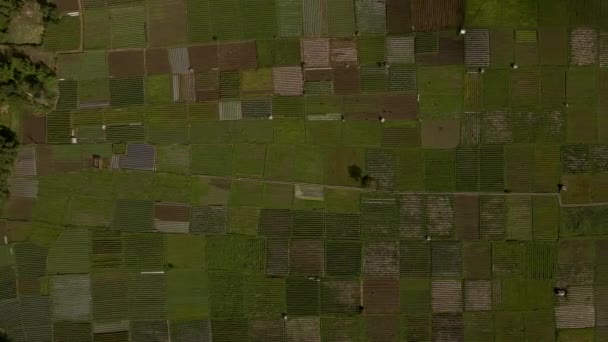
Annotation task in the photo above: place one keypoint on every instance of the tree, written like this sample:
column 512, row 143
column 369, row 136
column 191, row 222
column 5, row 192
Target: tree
column 4, row 337
column 354, row 172
column 8, row 154
column 26, row 82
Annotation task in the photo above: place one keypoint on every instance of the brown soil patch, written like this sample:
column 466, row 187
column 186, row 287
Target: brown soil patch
column 343, row 52
column 44, row 160
column 34, row 130
column 381, row 259
column 440, row 133
column 553, row 45
column 65, row 6
column 169, row 27
column 277, row 257
column 403, row 106
column 340, row 296
column 315, row 52
column 362, row 107
column 381, row 295
column 347, row 81
column 203, row 57
column 238, row 56
column 19, row 208
column 398, row 16
column 451, row 49
column 466, row 217
column 126, row 63
column 448, row 327
column 157, row 62
column 172, row 212
column 28, row 286
column 434, row 15
column 266, row 330
column 318, row 75
column 446, row 295
column 478, row 295
column 276, row 222
column 382, row 327
column 307, row 257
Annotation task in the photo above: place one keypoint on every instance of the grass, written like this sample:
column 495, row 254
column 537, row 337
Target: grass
column 243, row 220
column 246, row 193
column 371, row 49
column 128, row 26
column 235, row 253
column 310, row 164
column 259, row 80
column 264, row 297
column 411, row 170
column 159, row 89
column 342, row 200
column 249, row 160
column 63, row 35
column 277, row 196
column 187, row 294
column 173, row 159
column 339, row 160
column 96, row 28
column 186, row 252
column 279, row 164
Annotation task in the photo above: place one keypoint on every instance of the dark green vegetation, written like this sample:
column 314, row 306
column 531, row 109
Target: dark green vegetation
column 214, row 167
column 23, row 82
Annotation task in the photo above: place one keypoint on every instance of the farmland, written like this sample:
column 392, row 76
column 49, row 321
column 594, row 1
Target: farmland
column 308, row 170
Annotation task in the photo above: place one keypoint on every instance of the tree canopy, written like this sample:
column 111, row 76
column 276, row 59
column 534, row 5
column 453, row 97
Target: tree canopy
column 25, row 82
column 8, row 154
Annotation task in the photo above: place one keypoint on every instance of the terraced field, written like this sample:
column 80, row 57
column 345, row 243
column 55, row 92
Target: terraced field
column 308, row 170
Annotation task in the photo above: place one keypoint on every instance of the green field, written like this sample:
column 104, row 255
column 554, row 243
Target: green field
column 306, row 170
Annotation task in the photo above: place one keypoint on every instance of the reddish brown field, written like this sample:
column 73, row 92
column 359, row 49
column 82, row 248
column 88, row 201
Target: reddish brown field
column 399, row 16
column 172, row 212
column 126, row 63
column 34, row 129
column 466, row 218
column 238, row 56
column 347, row 81
column 307, row 257
column 381, row 295
column 203, row 57
column 157, row 62
column 435, row 15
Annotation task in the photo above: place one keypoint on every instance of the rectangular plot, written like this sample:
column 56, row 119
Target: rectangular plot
column 440, row 215
column 439, row 166
column 109, row 296
column 314, row 18
column 71, row 297
column 546, row 168
column 225, row 20
column 341, row 18
column 289, row 16
column 199, row 23
column 128, row 26
column 467, row 169
column 491, row 168
column 302, row 296
column 379, row 294
column 415, row 259
column 211, row 159
column 371, row 16
column 492, row 217
column 343, row 258
column 379, row 215
column 306, row 257
column 446, row 258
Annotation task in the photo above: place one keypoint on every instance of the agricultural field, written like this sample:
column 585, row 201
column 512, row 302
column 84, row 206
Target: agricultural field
column 308, row 170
